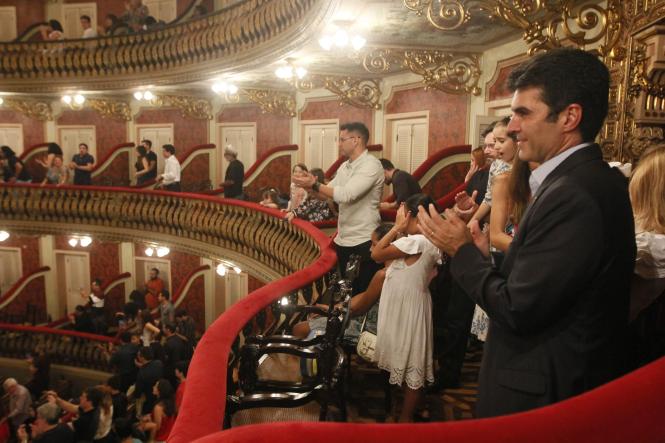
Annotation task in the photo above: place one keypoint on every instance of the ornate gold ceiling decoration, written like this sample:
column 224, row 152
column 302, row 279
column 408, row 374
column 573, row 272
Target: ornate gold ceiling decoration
column 357, row 92
column 189, row 106
column 37, row 109
column 455, row 73
column 115, row 109
column 544, row 22
column 273, row 102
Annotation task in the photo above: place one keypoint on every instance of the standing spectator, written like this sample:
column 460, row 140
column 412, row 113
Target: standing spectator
column 141, row 166
column 16, row 170
column 87, row 423
column 149, row 172
column 186, row 326
column 88, row 30
column 558, row 305
column 20, row 403
column 40, row 369
column 235, row 174
column 114, row 385
column 47, row 427
column 95, row 301
column 135, row 14
column 160, row 422
column 57, row 173
column 357, row 188
column 176, row 348
column 170, row 179
column 122, row 361
column 150, row 370
column 82, row 164
column 52, row 31
column 153, row 287
column 149, row 331
column 166, row 309
column 404, row 185
column 181, row 369
column 52, row 151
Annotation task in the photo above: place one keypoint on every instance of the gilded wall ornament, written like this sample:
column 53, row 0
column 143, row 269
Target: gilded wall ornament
column 357, row 92
column 115, row 109
column 273, row 102
column 189, row 106
column 455, row 73
column 37, row 109
column 543, row 22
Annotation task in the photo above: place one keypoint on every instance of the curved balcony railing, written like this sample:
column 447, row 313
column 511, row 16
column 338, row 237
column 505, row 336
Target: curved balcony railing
column 239, row 35
column 64, row 347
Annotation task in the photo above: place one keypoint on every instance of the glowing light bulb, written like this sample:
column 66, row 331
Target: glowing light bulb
column 67, row 99
column 326, row 42
column 284, row 301
column 1, row 101
column 237, row 269
column 149, row 251
column 301, row 72
column 341, row 38
column 79, row 99
column 138, row 95
column 358, row 42
column 86, row 241
column 4, row 235
column 221, row 270
column 73, row 242
column 148, row 95
column 162, row 251
column 233, row 89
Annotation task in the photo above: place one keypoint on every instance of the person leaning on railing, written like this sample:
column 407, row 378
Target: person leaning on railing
column 13, row 169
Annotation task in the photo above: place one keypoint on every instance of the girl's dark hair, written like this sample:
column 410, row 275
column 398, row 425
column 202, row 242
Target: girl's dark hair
column 518, row 188
column 54, row 148
column 141, row 150
column 299, row 165
column 416, row 200
column 382, row 230
column 166, row 396
column 272, row 194
column 318, row 173
column 95, row 396
column 55, row 25
column 505, row 122
column 8, row 152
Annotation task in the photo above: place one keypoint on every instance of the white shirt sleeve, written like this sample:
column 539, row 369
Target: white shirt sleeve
column 361, row 182
column 171, row 170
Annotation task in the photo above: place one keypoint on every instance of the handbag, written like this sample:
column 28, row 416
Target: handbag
column 366, row 343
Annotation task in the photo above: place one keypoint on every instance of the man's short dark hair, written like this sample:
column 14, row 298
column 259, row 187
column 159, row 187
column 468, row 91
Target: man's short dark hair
column 156, row 270
column 357, row 128
column 182, row 366
column 169, row 148
column 146, row 352
column 95, row 396
column 488, row 129
column 83, row 144
column 166, row 294
column 168, row 326
column 86, row 17
column 387, row 164
column 145, row 141
column 566, row 76
column 181, row 312
column 115, row 382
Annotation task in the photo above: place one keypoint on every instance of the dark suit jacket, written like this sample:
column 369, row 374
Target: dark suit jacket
column 559, row 303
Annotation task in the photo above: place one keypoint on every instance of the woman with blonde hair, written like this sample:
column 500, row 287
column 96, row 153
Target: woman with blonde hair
column 647, row 195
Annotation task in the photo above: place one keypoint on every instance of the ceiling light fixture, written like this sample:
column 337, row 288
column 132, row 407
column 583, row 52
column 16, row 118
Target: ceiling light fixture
column 75, row 101
column 237, row 269
column 162, row 251
column 144, row 95
column 224, row 88
column 149, row 251
column 85, row 241
column 4, row 235
column 341, row 39
column 221, row 270
column 73, row 242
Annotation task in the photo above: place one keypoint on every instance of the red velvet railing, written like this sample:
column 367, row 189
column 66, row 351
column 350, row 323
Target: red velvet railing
column 11, row 292
column 630, row 409
column 335, row 166
column 60, row 332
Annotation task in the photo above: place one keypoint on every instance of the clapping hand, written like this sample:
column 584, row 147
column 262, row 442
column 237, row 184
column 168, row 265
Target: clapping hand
column 402, row 219
column 305, row 180
column 448, row 234
column 465, row 205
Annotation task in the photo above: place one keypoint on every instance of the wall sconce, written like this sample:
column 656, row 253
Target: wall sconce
column 144, row 95
column 224, row 88
column 224, row 267
column 84, row 241
column 4, row 235
column 221, row 270
column 74, row 101
column 163, row 251
column 159, row 251
column 1, row 101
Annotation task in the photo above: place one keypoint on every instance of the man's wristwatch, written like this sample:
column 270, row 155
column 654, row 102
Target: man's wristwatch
column 315, row 186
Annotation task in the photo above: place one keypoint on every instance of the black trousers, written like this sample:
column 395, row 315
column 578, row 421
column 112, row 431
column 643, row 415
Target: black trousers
column 174, row 187
column 368, row 267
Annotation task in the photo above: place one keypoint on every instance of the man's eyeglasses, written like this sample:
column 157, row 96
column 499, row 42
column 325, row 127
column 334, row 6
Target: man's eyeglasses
column 343, row 139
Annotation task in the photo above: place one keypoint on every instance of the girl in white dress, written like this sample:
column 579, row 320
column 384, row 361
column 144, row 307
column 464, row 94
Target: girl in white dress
column 404, row 329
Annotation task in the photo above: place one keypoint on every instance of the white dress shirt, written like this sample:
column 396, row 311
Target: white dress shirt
column 357, row 188
column 91, row 32
column 171, row 171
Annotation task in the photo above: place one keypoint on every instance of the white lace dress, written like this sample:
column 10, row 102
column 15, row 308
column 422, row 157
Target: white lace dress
column 404, row 329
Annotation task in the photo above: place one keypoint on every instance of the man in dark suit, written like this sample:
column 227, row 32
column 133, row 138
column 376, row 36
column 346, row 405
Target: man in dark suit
column 150, row 371
column 558, row 304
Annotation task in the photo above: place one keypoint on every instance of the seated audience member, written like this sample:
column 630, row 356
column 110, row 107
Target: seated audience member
column 234, row 176
column 170, row 179
column 47, row 427
column 160, row 422
column 52, row 31
column 153, row 286
column 16, row 171
column 122, row 360
column 20, row 403
column 270, row 199
column 89, row 31
column 647, row 194
column 166, row 309
column 149, row 331
column 363, row 303
column 114, row 386
column 125, row 430
column 88, row 415
column 127, row 319
column 57, row 173
column 404, row 185
column 296, row 194
column 314, row 208
column 82, row 164
column 40, row 370
column 181, row 369
column 52, row 151
column 176, row 348
column 150, row 370
column 186, row 326
column 110, row 23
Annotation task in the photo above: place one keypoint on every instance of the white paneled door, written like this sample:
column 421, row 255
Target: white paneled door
column 12, row 136
column 321, row 147
column 243, row 138
column 74, row 277
column 72, row 13
column 409, row 143
column 10, row 270
column 159, row 136
column 236, row 287
column 72, row 136
column 7, row 23
column 164, row 268
column 162, row 9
